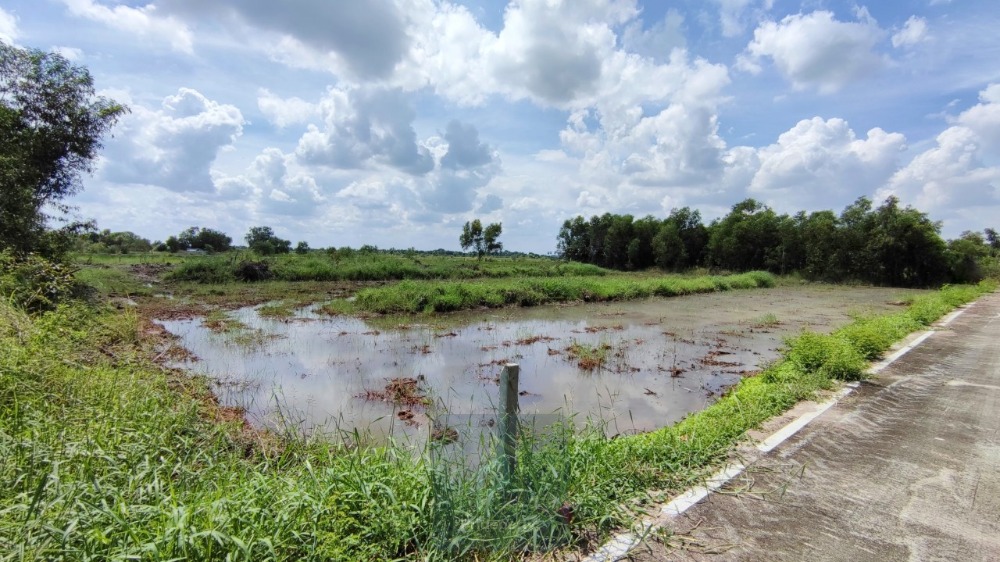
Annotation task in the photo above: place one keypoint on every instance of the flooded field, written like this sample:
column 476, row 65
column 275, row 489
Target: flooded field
column 635, row 365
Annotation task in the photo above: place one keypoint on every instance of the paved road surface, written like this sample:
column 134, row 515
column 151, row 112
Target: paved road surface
column 907, row 468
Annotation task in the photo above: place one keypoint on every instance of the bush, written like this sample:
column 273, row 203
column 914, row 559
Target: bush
column 35, row 283
column 253, row 271
column 207, row 270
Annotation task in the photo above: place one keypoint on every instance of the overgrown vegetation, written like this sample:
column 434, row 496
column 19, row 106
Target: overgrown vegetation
column 106, row 455
column 371, row 266
column 444, row 296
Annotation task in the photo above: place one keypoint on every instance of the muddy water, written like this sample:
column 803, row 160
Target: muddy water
column 662, row 358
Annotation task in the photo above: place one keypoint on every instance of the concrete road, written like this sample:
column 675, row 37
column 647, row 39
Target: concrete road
column 905, row 468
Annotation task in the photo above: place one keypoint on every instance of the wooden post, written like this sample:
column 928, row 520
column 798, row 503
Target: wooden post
column 508, row 416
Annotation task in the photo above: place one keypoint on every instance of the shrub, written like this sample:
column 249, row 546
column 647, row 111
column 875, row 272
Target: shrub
column 34, row 283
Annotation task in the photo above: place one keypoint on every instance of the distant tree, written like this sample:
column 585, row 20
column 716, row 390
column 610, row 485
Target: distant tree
column 174, row 244
column 482, row 241
column 904, row 248
column 51, row 124
column 491, row 237
column 262, row 240
column 993, row 240
column 472, row 237
column 574, row 240
column 965, row 257
column 213, row 241
column 197, row 238
column 747, row 238
column 302, row 248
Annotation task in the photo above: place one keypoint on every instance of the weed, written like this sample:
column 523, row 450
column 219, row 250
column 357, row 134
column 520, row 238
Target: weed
column 768, row 320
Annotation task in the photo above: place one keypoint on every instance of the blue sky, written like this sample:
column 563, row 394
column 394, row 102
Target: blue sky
column 392, row 122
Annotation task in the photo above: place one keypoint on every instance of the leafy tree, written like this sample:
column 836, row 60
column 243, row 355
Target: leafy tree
column 213, row 241
column 904, row 248
column 668, row 247
column 302, row 248
column 747, row 238
column 174, row 244
column 965, row 257
column 51, row 123
column 993, row 240
column 206, row 239
column 483, row 241
column 491, row 236
column 262, row 240
column 574, row 240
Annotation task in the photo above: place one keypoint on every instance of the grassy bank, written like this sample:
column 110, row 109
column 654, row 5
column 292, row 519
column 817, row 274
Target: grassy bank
column 109, row 456
column 444, row 296
column 232, row 266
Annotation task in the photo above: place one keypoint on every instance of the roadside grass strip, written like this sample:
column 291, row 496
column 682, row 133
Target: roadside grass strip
column 108, row 456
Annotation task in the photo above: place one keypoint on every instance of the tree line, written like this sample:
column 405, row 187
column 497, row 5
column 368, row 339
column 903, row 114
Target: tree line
column 884, row 245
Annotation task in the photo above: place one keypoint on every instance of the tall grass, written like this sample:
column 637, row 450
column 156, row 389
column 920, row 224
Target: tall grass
column 106, row 456
column 222, row 268
column 444, row 296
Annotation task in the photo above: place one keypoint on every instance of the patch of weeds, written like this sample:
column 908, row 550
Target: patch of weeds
column 221, row 322
column 769, row 320
column 588, row 357
column 402, row 391
column 276, row 310
column 251, row 338
column 338, row 307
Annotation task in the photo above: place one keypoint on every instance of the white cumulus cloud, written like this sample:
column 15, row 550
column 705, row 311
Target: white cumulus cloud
column 821, row 163
column 816, row 50
column 363, row 128
column 962, row 169
column 172, row 147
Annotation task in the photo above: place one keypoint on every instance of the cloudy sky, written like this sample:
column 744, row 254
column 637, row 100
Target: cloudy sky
column 392, row 122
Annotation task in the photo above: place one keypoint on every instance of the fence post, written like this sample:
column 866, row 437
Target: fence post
column 508, row 416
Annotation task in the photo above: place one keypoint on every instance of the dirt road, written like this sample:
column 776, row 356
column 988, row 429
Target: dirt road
column 905, row 468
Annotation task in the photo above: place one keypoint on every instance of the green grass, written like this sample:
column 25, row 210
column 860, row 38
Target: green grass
column 106, row 456
column 222, row 268
column 112, row 281
column 445, row 296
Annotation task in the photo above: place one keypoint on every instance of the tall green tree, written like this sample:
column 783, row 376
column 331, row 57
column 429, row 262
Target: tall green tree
column 483, row 241
column 265, row 242
column 51, row 124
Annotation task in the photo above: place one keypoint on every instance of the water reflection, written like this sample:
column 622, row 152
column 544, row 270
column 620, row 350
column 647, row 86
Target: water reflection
column 658, row 359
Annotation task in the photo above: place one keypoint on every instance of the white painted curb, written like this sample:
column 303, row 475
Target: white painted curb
column 619, row 546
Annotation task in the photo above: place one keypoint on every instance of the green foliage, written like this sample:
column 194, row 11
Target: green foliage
column 51, row 123
column 445, row 296
column 197, row 238
column 302, row 248
column 107, row 242
column 33, row 282
column 888, row 245
column 262, row 240
column 483, row 241
column 347, row 264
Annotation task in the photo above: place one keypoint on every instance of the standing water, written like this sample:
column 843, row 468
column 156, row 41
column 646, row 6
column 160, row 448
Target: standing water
column 636, row 365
